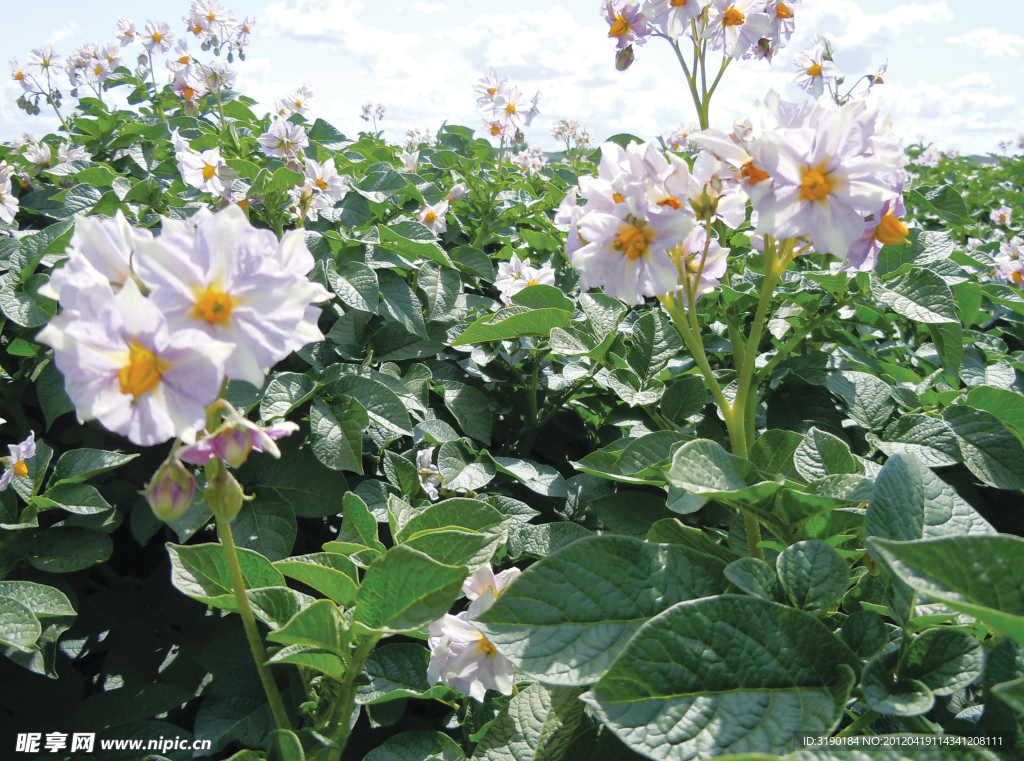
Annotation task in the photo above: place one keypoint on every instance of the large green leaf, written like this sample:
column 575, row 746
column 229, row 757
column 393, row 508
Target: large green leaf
column 944, row 660
column 63, row 549
column 813, row 575
column 470, row 409
column 990, row 451
column 919, row 295
column 513, row 322
column 927, row 438
column 395, row 672
column 336, row 433
column 405, row 590
column 567, row 617
column 703, row 467
column 81, row 464
column 539, row 724
column 328, row 573
column 982, row 576
column 1006, row 405
column 200, row 571
column 284, row 393
column 381, row 403
column 725, row 675
column 457, row 532
column 821, row 454
column 320, row 625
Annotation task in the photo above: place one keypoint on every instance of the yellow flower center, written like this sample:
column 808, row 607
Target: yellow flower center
column 782, row 11
column 814, row 70
column 484, row 646
column 243, row 204
column 618, row 197
column 184, row 59
column 157, row 36
column 209, row 171
column 128, row 33
column 492, row 90
column 733, row 17
column 891, row 231
column 213, row 306
column 533, row 282
column 21, row 469
column 211, row 16
column 753, row 173
column 97, row 70
column 510, row 108
column 19, row 75
column 321, row 184
column 672, row 201
column 142, row 372
column 1016, row 277
column 815, row 185
column 633, row 241
column 620, row 27
column 430, row 218
column 495, row 130
column 678, row 3
column 196, row 29
column 188, row 93
column 298, row 103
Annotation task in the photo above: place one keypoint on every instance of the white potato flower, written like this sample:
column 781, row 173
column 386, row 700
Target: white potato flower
column 207, row 171
column 157, row 37
column 736, row 25
column 283, row 139
column 433, row 216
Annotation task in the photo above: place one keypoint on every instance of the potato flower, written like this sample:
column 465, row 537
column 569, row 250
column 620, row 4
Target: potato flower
column 128, row 370
column 283, row 139
column 44, row 62
column 20, row 74
column 673, row 17
column 126, row 31
column 325, row 178
column 882, row 229
column 514, row 110
column 8, row 202
column 460, row 656
column 433, row 217
column 206, row 171
column 458, row 192
column 627, row 25
column 735, row 26
column 237, row 284
column 410, row 160
column 814, row 71
column 428, row 473
column 157, row 37
column 703, row 273
column 236, row 438
column 26, row 450
column 826, row 180
column 782, row 20
column 1001, row 216
column 489, row 88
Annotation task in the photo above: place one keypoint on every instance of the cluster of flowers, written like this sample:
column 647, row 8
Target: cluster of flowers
column 372, row 111
column 829, row 176
column 205, row 170
column 298, row 101
column 414, row 138
column 578, row 142
column 37, row 156
column 678, row 139
column 515, row 275
column 740, row 28
column 460, row 656
column 43, row 63
column 1009, row 268
column 151, row 326
column 321, row 188
column 506, row 110
column 531, row 160
column 1004, row 145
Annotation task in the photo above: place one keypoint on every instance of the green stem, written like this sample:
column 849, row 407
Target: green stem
column 691, row 80
column 863, row 722
column 340, row 726
column 156, row 90
column 696, row 349
column 49, row 100
column 249, row 622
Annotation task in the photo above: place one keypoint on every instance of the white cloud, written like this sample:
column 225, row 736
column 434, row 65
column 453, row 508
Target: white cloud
column 62, row 33
column 992, row 43
column 430, row 7
column 979, row 79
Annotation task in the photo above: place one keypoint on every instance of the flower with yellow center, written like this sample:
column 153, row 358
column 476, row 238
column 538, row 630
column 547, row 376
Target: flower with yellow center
column 633, row 241
column 213, row 306
column 891, row 231
column 142, row 372
column 207, row 171
column 26, row 450
column 733, row 16
column 620, row 27
column 815, row 185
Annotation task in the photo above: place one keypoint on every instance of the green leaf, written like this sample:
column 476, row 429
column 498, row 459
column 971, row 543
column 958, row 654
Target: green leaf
column 456, row 532
column 312, row 657
column 298, row 478
column 868, row 399
column 684, row 398
column 63, row 549
column 539, row 724
column 949, row 342
column 358, row 525
column 356, row 285
column 81, row 499
column 886, row 693
column 673, row 531
column 336, row 433
column 442, row 286
column 266, row 526
column 703, row 467
column 921, row 296
column 757, row 578
column 470, row 409
column 401, row 303
column 674, row 693
column 543, row 297
column 1005, row 405
column 328, row 573
column 381, row 403
column 540, row 541
column 284, row 393
column 412, row 250
column 911, row 502
column 417, row 746
column 200, row 571
column 284, row 745
column 513, row 322
column 944, row 660
column 81, row 464
column 813, row 575
column 53, row 399
column 990, row 451
column 981, row 576
column 774, row 452
column 405, row 590
column 632, row 512
column 44, row 602
column 320, row 625
column 396, row 671
column 927, row 438
column 944, row 200
column 821, row 454
column 282, row 180
column 19, row 628
column 865, row 633
column 235, row 708
column 924, row 247
column 542, row 479
column 567, row 616
column 457, row 469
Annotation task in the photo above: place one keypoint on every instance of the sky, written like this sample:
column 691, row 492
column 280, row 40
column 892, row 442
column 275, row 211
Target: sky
column 955, row 76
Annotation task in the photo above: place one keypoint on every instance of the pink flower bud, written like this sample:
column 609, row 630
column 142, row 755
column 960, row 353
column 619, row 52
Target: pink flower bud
column 171, row 490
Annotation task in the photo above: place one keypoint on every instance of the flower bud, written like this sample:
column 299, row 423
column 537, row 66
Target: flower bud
column 520, row 137
column 224, row 495
column 624, row 58
column 170, row 491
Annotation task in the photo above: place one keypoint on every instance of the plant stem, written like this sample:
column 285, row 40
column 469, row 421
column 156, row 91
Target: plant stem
column 341, row 713
column 49, row 100
column 863, row 722
column 156, row 90
column 249, row 622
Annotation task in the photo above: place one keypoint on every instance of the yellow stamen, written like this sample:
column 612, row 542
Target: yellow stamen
column 486, row 647
column 510, row 108
column 209, row 171
column 633, row 241
column 243, row 204
column 188, row 93
column 891, row 231
column 678, row 3
column 142, row 372
column 620, row 27
column 184, row 59
column 1017, row 277
column 533, row 282
column 430, row 217
column 672, row 201
column 495, row 130
column 618, row 197
column 814, row 70
column 782, row 11
column 213, row 306
column 753, row 173
column 157, row 36
column 19, row 75
column 815, row 185
column 492, row 90
column 20, row 469
column 733, row 17
column 321, row 184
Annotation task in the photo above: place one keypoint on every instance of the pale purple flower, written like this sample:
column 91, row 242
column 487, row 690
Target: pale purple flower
column 433, row 217
column 236, row 438
column 410, row 160
column 736, row 25
column 884, row 228
column 814, row 71
column 206, row 171
column 8, row 202
column 458, row 192
column 26, row 450
column 489, row 88
column 690, row 259
column 1001, row 216
column 43, row 61
column 283, row 139
column 781, row 20
column 627, row 25
column 428, row 473
column 325, row 178
column 126, row 31
column 672, row 17
column 156, row 37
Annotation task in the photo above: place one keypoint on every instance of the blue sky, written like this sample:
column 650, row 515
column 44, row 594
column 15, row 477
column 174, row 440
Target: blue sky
column 956, row 67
